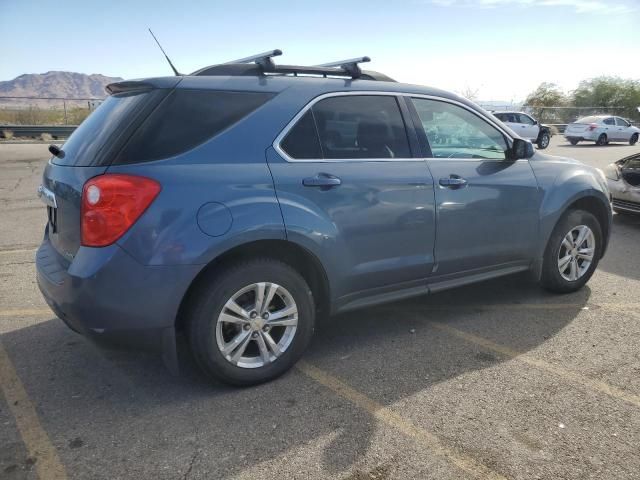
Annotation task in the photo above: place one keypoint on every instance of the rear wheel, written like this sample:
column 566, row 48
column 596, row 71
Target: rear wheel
column 572, row 253
column 252, row 322
column 634, row 139
column 573, row 141
column 602, row 139
column 544, row 140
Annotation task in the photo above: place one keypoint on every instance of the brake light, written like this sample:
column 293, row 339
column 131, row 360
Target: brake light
column 111, row 204
column 592, row 127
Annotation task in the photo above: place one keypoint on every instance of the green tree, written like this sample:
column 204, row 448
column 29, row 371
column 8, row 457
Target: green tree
column 547, row 95
column 612, row 94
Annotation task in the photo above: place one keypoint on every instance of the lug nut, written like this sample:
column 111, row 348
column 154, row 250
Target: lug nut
column 253, row 314
column 266, row 328
column 247, row 326
column 254, row 335
column 265, row 315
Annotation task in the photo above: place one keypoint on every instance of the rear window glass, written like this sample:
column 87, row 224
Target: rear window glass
column 349, row 127
column 186, row 119
column 86, row 142
column 302, row 140
column 588, row 120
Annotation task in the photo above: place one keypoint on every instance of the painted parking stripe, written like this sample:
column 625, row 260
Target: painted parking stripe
column 574, row 377
column 26, row 312
column 48, row 465
column 389, row 417
column 19, row 250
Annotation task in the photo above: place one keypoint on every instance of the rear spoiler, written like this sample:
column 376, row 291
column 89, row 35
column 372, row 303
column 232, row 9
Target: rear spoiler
column 140, row 85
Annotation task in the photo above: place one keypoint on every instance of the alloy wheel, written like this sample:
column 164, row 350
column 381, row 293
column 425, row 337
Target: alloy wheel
column 257, row 325
column 576, row 253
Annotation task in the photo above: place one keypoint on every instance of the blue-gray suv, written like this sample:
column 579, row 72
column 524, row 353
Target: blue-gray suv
column 243, row 202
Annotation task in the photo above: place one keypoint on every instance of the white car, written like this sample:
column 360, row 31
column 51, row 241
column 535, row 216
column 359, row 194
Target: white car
column 526, row 127
column 602, row 129
column 623, row 178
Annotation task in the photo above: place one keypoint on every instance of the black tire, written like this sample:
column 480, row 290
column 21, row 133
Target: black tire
column 573, row 141
column 634, row 139
column 551, row 278
column 544, row 140
column 602, row 140
column 209, row 300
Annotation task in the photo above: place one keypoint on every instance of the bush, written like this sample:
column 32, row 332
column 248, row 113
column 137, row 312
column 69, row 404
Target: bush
column 7, row 134
column 46, row 137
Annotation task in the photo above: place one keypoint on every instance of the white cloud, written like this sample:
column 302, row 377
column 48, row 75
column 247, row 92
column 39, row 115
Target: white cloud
column 580, row 6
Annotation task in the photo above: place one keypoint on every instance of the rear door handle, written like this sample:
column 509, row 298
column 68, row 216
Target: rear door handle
column 323, row 180
column 454, row 181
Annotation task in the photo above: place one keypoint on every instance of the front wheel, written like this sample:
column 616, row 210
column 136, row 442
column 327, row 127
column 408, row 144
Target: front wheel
column 634, row 139
column 572, row 253
column 250, row 323
column 544, row 141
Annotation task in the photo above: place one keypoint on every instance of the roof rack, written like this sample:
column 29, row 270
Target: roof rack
column 262, row 64
column 350, row 66
column 264, row 60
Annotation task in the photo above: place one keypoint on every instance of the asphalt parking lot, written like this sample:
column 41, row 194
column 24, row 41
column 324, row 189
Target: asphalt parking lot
column 495, row 380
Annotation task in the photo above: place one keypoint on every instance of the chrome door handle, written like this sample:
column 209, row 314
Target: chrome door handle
column 454, row 181
column 322, row 180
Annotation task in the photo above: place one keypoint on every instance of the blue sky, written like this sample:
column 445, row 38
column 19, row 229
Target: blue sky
column 501, row 48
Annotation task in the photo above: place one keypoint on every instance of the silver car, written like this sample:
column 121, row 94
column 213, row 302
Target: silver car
column 602, row 129
column 623, row 178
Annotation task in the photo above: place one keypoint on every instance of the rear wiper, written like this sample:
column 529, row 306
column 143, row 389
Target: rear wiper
column 56, row 151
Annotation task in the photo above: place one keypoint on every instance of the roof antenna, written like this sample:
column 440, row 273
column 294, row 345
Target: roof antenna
column 178, row 74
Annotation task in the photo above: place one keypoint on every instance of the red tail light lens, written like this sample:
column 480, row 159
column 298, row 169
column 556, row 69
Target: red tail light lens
column 592, row 127
column 111, row 203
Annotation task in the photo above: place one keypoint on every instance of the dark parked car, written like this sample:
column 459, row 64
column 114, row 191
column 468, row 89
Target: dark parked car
column 242, row 202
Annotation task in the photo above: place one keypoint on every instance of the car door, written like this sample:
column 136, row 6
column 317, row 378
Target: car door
column 610, row 128
column 623, row 129
column 486, row 205
column 529, row 128
column 351, row 188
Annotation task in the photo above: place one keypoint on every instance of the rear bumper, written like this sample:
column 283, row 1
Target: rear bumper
column 624, row 196
column 107, row 296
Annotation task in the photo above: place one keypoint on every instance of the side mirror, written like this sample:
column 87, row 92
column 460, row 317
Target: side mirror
column 521, row 149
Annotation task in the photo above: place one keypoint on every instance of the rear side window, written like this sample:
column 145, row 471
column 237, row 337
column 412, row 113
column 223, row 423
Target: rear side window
column 186, row 119
column 302, row 140
column 350, row 127
column 95, row 132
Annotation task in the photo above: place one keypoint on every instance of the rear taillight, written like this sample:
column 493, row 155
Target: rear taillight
column 111, row 203
column 592, row 127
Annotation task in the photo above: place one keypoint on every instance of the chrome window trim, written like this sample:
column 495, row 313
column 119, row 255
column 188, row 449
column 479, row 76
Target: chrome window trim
column 294, row 120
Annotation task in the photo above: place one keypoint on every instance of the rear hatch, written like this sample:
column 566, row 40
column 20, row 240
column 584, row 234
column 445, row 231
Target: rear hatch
column 89, row 151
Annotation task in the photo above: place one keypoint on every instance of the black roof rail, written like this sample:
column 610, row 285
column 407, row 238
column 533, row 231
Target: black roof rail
column 350, row 66
column 262, row 64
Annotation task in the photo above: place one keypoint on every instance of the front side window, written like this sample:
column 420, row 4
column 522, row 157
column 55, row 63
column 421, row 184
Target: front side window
column 621, row 122
column 526, row 119
column 349, row 127
column 455, row 132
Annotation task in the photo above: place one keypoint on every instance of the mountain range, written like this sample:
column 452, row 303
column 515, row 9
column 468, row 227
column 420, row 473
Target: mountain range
column 56, row 84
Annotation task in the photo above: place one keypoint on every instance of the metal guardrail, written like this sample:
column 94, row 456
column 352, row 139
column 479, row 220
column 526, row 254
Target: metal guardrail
column 56, row 131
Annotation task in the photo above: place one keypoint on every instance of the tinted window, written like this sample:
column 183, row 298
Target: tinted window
column 187, row 118
column 455, row 132
column 84, row 145
column 525, row 119
column 609, row 121
column 621, row 122
column 361, row 126
column 501, row 116
column 302, row 140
